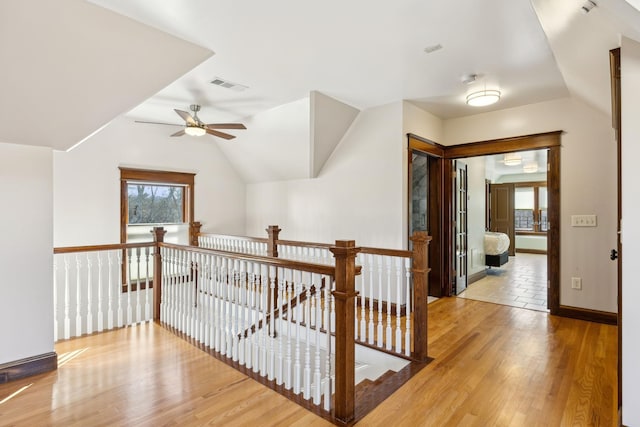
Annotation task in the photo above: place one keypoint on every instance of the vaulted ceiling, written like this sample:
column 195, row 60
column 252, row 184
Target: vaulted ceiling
column 71, row 67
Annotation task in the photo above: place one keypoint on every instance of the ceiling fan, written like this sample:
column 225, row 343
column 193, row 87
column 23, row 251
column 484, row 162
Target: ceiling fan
column 193, row 126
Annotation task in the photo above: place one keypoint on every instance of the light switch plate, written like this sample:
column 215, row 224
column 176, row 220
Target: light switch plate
column 584, row 221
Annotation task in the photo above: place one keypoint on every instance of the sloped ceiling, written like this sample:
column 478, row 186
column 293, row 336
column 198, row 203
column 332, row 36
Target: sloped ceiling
column 330, row 120
column 70, row 67
column 581, row 41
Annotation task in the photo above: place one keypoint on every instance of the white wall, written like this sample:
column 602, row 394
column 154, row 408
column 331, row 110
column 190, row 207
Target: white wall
column 356, row 195
column 630, row 78
column 476, row 204
column 425, row 125
column 588, row 183
column 26, row 258
column 86, row 182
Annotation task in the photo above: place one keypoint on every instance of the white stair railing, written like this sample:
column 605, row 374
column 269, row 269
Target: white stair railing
column 255, row 314
column 87, row 283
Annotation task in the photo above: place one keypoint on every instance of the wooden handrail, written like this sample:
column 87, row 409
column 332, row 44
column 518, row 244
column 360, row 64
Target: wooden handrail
column 95, row 248
column 231, row 236
column 276, row 262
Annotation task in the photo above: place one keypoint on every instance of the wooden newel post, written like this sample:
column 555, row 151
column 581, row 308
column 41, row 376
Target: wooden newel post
column 345, row 252
column 194, row 230
column 420, row 269
column 272, row 246
column 158, row 237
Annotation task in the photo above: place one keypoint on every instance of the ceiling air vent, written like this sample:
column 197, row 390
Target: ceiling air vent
column 228, row 84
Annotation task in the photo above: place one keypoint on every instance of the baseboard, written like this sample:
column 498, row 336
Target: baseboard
column 589, row 315
column 27, row 367
column 476, row 276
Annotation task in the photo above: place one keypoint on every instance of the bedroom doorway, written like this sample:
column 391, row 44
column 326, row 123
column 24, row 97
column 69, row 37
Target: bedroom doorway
column 507, row 231
column 441, row 251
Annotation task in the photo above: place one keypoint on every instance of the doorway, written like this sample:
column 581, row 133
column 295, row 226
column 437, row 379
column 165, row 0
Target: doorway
column 507, row 231
column 440, row 178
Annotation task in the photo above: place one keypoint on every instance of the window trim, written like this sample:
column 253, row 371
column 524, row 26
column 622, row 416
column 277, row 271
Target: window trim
column 148, row 176
column 536, row 208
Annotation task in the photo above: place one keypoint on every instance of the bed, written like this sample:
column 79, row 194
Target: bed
column 496, row 249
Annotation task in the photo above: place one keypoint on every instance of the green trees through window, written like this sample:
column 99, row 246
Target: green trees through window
column 155, row 204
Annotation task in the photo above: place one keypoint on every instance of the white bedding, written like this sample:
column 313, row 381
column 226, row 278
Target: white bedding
column 495, row 243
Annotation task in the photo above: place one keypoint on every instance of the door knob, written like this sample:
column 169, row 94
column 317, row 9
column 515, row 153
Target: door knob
column 613, row 255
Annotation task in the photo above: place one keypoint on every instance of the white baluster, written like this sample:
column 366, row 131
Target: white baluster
column 398, row 308
column 67, row 320
column 289, row 296
column 55, row 298
column 317, row 376
column 332, row 316
column 89, row 313
column 138, row 289
column 389, row 339
column 184, row 292
column 307, row 353
column 407, row 332
column 226, row 286
column 363, row 299
column 242, row 290
column 215, row 262
column 78, row 298
column 235, row 314
column 264, row 284
column 272, row 359
column 281, row 296
column 298, row 325
column 248, row 350
column 110, row 291
column 380, row 330
column 371, row 311
column 147, row 306
column 100, row 299
column 327, row 363
column 312, row 320
column 129, row 307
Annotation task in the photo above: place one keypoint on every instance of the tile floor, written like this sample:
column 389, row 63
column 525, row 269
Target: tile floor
column 522, row 282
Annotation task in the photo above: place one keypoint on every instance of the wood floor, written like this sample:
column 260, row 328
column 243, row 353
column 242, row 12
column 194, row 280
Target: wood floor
column 494, row 366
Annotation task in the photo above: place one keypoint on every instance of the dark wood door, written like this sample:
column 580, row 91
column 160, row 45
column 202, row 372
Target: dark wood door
column 502, row 212
column 616, row 254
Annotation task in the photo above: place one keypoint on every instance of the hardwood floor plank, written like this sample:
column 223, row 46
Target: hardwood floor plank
column 493, row 366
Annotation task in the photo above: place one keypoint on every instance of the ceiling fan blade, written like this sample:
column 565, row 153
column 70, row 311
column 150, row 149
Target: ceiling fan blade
column 179, row 133
column 158, row 123
column 219, row 134
column 186, row 117
column 226, row 126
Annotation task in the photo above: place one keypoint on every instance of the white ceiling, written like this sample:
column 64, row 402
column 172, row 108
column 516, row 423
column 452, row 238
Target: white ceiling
column 74, row 66
column 361, row 52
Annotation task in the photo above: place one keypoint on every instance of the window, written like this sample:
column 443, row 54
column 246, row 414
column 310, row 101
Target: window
column 155, row 203
column 149, row 199
column 531, row 207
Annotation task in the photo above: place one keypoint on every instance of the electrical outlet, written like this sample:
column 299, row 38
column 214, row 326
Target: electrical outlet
column 584, row 221
column 576, row 283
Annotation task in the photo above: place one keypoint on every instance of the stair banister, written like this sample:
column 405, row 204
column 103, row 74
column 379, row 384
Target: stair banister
column 158, row 237
column 345, row 252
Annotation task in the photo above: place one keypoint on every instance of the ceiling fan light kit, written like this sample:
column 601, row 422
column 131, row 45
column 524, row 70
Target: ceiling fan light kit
column 193, row 126
column 194, row 131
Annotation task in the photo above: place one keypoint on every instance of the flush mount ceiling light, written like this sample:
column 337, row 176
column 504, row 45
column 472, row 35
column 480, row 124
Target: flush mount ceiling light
column 194, row 130
column 531, row 167
column 512, row 159
column 484, row 97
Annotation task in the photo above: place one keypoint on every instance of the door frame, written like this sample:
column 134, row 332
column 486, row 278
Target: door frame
column 446, row 155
